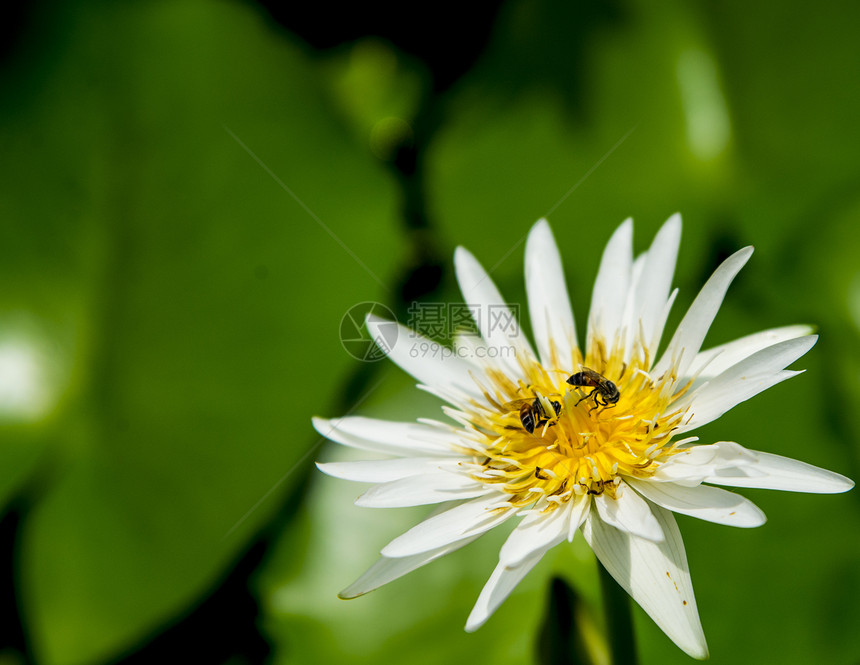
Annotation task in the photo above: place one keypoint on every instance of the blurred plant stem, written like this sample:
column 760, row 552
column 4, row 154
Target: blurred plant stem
column 619, row 620
column 570, row 634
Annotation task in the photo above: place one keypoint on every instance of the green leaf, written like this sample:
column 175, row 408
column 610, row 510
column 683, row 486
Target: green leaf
column 188, row 218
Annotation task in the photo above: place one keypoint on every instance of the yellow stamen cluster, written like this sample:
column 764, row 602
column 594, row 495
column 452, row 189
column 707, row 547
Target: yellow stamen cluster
column 585, row 448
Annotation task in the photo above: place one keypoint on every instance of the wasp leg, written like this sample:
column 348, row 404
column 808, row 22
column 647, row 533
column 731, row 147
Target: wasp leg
column 600, row 401
column 582, row 399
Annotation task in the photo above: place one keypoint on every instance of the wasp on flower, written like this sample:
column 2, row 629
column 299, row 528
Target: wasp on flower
column 540, row 412
column 573, row 439
column 605, row 392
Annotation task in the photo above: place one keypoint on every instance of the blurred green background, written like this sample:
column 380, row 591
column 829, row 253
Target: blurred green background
column 192, row 194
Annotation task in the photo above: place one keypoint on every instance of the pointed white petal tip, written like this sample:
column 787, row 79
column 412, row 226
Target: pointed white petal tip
column 735, row 263
column 540, row 227
column 656, row 576
column 463, row 255
column 321, row 425
column 343, row 595
column 501, row 584
column 697, row 651
column 740, row 257
column 485, row 606
column 540, row 230
column 473, row 623
column 842, row 483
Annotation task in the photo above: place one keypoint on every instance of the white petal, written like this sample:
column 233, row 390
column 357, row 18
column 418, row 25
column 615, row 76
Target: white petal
column 655, row 575
column 774, row 472
column 716, row 360
column 694, row 326
column 652, row 289
column 579, row 512
column 536, row 531
column 379, row 471
column 660, row 325
column 695, row 463
column 728, row 463
column 500, row 585
column 743, row 380
column 388, row 437
column 706, row 503
column 609, row 296
column 549, row 304
column 428, row 361
column 629, row 512
column 385, row 570
column 498, row 326
column 471, row 518
column 630, row 321
column 431, row 487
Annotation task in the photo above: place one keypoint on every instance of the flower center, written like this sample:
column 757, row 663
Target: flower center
column 548, row 438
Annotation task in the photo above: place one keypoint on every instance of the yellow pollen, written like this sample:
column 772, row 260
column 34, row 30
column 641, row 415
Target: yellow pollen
column 586, row 447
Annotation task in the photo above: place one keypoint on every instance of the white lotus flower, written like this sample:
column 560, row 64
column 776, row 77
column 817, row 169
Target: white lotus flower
column 617, row 471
